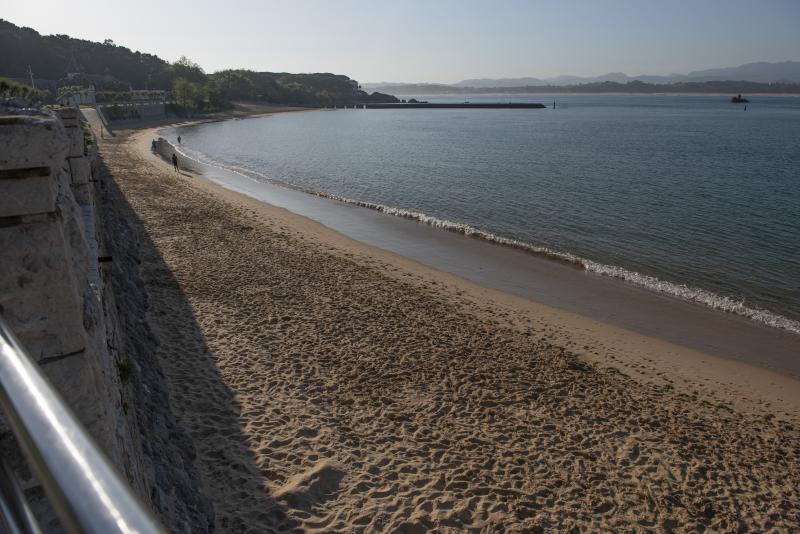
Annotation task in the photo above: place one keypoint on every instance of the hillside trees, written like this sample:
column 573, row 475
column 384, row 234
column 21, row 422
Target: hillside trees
column 114, row 68
column 189, row 95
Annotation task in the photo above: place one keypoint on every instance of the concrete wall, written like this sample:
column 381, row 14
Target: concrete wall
column 142, row 111
column 81, row 315
column 77, row 98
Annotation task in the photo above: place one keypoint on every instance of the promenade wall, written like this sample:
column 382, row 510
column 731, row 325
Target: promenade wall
column 70, row 290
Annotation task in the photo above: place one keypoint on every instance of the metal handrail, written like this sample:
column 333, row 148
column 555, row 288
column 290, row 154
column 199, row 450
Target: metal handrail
column 17, row 517
column 84, row 489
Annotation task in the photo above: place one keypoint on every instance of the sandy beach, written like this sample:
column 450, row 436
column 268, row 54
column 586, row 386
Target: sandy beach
column 333, row 386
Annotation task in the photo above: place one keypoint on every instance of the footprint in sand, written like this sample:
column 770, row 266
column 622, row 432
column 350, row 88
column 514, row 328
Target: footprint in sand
column 313, row 487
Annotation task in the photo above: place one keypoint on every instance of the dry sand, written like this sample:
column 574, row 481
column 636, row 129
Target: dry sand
column 330, row 386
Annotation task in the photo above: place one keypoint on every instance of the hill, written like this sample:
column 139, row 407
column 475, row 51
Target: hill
column 60, row 60
column 761, row 72
column 53, row 56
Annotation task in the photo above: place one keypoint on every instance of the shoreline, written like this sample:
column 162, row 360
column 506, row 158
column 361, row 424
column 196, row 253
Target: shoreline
column 680, row 291
column 600, row 292
column 779, row 316
column 643, row 356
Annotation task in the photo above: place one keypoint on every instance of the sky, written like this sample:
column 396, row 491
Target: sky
column 440, row 41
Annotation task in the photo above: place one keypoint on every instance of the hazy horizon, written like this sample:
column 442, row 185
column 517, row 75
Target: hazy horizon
column 570, row 74
column 442, row 42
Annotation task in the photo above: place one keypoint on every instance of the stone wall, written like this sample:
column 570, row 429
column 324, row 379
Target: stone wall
column 129, row 114
column 70, row 290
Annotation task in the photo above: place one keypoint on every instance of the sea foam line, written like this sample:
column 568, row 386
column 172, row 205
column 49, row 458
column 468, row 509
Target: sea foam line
column 652, row 283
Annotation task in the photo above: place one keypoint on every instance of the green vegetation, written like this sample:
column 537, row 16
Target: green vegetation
column 312, row 90
column 114, row 70
column 319, row 89
column 13, row 89
column 108, row 66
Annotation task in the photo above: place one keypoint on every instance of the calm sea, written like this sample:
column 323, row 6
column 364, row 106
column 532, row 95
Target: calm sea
column 687, row 195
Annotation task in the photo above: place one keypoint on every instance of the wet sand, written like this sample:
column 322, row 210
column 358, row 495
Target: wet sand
column 333, row 386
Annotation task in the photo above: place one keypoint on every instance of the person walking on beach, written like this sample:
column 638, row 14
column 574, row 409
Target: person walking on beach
column 179, row 139
column 175, row 161
column 153, row 145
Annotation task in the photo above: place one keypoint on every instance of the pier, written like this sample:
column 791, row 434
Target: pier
column 463, row 105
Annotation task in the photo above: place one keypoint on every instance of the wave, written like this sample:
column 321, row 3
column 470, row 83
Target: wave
column 652, row 283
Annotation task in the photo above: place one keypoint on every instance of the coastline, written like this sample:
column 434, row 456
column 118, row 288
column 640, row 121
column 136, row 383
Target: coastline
column 716, row 278
column 741, row 384
column 332, row 386
column 682, row 315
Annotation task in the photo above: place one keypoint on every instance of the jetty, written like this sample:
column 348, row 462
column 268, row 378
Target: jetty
column 462, row 105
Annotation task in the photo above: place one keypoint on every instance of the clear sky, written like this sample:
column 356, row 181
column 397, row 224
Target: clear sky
column 435, row 40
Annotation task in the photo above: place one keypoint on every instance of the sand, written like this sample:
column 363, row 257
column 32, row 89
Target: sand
column 331, row 386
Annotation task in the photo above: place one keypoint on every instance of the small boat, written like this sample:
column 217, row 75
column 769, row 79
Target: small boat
column 739, row 100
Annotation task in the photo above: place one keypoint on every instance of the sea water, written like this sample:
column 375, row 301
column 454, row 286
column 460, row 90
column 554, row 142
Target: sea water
column 692, row 196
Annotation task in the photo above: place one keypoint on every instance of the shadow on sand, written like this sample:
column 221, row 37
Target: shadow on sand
column 201, row 400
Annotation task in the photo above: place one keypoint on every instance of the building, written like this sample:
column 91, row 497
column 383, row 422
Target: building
column 76, row 96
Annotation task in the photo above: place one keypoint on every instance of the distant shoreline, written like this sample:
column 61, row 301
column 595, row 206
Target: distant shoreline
column 556, row 93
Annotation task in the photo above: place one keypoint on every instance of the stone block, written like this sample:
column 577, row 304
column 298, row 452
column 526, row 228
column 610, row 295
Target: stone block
column 79, row 170
column 70, row 122
column 39, row 298
column 85, row 389
column 31, row 141
column 76, row 142
column 69, row 117
column 84, row 194
column 27, row 191
column 67, row 112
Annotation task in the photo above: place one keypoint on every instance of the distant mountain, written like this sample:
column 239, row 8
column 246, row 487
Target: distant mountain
column 407, row 88
column 617, row 77
column 501, row 82
column 412, row 88
column 761, row 72
column 634, row 86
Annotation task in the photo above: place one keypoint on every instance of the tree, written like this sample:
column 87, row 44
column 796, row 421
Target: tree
column 232, row 85
column 187, row 93
column 189, row 70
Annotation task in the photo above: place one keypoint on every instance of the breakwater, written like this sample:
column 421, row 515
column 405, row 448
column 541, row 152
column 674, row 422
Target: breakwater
column 461, row 105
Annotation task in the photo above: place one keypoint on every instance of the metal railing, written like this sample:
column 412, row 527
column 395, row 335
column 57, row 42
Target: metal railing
column 82, row 486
